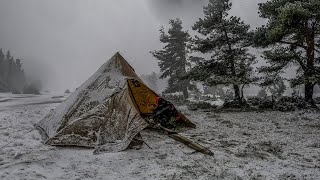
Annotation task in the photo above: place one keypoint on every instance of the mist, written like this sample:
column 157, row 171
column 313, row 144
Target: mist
column 63, row 42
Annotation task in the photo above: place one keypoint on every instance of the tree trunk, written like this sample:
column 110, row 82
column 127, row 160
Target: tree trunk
column 308, row 92
column 236, row 88
column 309, row 72
column 237, row 96
column 185, row 93
column 241, row 92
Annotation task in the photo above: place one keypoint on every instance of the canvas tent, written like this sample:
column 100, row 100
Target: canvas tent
column 106, row 112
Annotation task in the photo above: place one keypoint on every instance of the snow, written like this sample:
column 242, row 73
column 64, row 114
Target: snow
column 247, row 145
column 214, row 102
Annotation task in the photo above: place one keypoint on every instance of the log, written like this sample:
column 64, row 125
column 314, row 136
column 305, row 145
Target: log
column 196, row 146
column 186, row 120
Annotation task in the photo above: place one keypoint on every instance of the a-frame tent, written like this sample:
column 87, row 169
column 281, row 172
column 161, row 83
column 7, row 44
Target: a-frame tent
column 106, row 112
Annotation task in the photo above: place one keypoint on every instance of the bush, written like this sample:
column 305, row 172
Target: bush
column 266, row 103
column 235, row 104
column 287, row 103
column 201, row 105
column 254, row 101
column 16, row 91
column 231, row 104
column 31, row 89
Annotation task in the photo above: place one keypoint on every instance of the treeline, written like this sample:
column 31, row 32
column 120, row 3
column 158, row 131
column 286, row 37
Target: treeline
column 12, row 76
column 220, row 53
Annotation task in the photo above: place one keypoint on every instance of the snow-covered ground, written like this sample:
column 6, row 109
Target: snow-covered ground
column 247, row 145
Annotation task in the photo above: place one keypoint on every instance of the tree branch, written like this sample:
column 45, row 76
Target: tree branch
column 299, row 45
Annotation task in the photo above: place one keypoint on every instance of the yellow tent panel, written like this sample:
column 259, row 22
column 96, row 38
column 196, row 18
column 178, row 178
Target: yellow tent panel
column 143, row 97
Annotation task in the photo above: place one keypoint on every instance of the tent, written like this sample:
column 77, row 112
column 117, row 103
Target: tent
column 106, row 112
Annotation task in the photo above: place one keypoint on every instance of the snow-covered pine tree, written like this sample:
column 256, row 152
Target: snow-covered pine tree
column 292, row 37
column 172, row 58
column 227, row 39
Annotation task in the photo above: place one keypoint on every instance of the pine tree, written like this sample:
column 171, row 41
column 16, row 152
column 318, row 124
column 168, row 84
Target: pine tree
column 12, row 77
column 227, row 39
column 214, row 90
column 2, row 59
column 262, row 93
column 19, row 77
column 278, row 88
column 2, row 71
column 172, row 58
column 8, row 56
column 292, row 38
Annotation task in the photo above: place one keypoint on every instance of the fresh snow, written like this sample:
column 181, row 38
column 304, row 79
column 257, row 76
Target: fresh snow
column 247, row 145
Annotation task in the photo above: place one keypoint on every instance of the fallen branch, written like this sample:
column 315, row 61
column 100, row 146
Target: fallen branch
column 196, row 146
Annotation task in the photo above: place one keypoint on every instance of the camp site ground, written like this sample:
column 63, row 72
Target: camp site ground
column 247, row 145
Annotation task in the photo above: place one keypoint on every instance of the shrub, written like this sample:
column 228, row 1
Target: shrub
column 287, row 103
column 201, row 105
column 31, row 89
column 16, row 91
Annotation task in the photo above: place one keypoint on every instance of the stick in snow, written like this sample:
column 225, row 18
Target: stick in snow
column 196, row 146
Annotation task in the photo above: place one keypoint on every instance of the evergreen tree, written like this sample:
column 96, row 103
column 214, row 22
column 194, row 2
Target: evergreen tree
column 12, row 77
column 2, row 71
column 19, row 77
column 172, row 58
column 214, row 90
column 18, row 65
column 292, row 38
column 8, row 56
column 262, row 93
column 278, row 88
column 1, row 59
column 227, row 39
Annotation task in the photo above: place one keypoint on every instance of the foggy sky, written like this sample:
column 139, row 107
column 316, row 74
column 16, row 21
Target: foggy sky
column 62, row 42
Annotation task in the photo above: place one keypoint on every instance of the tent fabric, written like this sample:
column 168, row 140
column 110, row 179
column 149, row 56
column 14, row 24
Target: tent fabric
column 143, row 97
column 106, row 112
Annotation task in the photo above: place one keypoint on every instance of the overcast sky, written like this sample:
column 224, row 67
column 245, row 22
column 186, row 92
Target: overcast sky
column 62, row 42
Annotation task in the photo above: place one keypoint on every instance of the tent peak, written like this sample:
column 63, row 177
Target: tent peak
column 123, row 64
column 118, row 54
